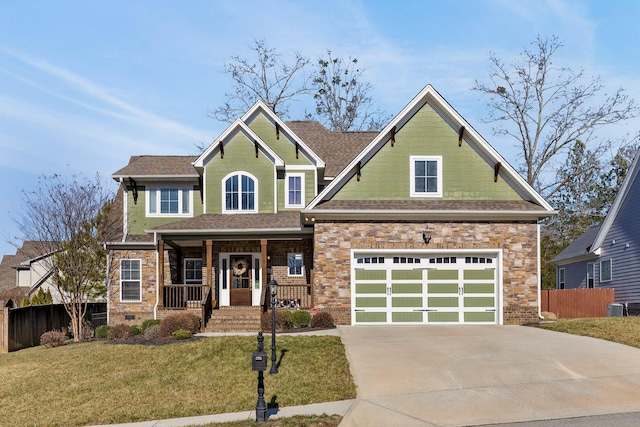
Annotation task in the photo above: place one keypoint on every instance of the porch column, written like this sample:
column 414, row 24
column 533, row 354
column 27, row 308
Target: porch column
column 209, row 262
column 160, row 268
column 263, row 262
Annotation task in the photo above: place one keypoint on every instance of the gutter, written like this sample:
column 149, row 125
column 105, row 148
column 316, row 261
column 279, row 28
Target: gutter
column 310, row 216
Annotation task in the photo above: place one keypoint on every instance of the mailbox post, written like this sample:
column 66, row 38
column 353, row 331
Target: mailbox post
column 259, row 363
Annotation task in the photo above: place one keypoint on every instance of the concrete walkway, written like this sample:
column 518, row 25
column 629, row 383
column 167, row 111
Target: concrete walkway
column 475, row 375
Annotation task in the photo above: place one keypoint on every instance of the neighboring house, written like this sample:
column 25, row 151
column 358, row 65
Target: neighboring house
column 608, row 255
column 421, row 223
column 26, row 271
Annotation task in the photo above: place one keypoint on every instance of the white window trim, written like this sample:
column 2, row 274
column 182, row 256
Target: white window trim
column 413, row 192
column 301, row 266
column 561, row 278
column 139, row 281
column 286, row 190
column 180, row 189
column 224, row 193
column 184, row 270
column 610, row 270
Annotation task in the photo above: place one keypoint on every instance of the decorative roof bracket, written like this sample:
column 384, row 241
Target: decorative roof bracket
column 297, row 149
column 358, row 171
column 393, row 136
column 460, row 135
column 134, row 189
column 496, row 170
column 221, row 150
column 255, row 143
column 200, row 186
column 277, row 131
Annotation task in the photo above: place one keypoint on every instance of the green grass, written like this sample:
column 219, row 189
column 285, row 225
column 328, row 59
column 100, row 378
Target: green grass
column 623, row 330
column 103, row 383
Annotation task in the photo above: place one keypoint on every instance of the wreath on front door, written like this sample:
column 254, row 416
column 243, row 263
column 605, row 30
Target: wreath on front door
column 239, row 267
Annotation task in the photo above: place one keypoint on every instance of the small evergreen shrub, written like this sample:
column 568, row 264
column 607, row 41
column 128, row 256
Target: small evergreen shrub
column 182, row 334
column 299, row 318
column 174, row 322
column 149, row 322
column 136, row 330
column 152, row 332
column 323, row 320
column 119, row 332
column 53, row 338
column 102, row 331
column 281, row 321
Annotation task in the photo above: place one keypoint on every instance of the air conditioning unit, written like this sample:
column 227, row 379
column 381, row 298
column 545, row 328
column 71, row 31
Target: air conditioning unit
column 615, row 310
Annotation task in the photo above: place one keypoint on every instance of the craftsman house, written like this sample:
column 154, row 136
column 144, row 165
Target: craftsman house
column 421, row 223
column 606, row 255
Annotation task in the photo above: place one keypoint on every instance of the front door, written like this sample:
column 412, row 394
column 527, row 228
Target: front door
column 240, row 279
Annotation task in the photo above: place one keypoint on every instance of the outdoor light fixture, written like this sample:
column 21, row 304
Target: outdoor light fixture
column 273, row 289
column 426, row 236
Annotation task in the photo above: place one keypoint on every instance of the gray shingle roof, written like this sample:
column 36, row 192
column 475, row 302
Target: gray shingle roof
column 224, row 222
column 444, row 205
column 580, row 246
column 158, row 166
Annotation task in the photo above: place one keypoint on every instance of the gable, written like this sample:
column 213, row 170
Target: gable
column 279, row 141
column 465, row 174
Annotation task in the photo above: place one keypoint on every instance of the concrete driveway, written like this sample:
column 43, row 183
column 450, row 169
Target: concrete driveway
column 473, row 375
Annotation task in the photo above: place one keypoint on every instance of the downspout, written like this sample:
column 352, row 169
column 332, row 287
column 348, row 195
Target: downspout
column 539, row 275
column 155, row 307
column 108, row 280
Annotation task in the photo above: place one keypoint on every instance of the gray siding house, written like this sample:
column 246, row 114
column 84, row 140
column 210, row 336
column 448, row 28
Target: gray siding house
column 608, row 255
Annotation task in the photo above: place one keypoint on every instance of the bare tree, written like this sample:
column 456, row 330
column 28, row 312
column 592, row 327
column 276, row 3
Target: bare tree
column 267, row 77
column 547, row 108
column 343, row 98
column 68, row 219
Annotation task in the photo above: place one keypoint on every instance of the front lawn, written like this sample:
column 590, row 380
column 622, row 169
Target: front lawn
column 623, row 330
column 104, row 383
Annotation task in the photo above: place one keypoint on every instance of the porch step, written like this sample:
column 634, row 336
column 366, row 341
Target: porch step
column 235, row 319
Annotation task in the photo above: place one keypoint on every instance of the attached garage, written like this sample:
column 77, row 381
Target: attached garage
column 440, row 287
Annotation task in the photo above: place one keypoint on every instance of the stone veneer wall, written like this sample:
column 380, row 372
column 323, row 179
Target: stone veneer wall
column 139, row 310
column 334, row 240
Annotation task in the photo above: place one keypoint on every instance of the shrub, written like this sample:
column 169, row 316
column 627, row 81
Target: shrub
column 149, row 322
column 119, row 332
column 102, row 331
column 87, row 330
column 174, row 322
column 299, row 318
column 53, row 338
column 136, row 330
column 322, row 320
column 182, row 334
column 281, row 321
column 152, row 332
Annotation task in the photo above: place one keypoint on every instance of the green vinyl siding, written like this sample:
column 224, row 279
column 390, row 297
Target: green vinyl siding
column 466, row 175
column 137, row 220
column 283, row 147
column 240, row 156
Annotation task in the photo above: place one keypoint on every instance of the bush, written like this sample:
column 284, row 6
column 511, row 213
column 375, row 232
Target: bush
column 119, row 332
column 102, row 331
column 322, row 320
column 182, row 334
column 299, row 318
column 87, row 330
column 152, row 332
column 136, row 330
column 53, row 338
column 281, row 321
column 174, row 322
column 149, row 322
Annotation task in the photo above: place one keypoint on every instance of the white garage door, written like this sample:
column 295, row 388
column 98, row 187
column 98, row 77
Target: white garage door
column 433, row 288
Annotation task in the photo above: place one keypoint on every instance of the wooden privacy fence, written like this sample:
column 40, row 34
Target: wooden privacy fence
column 576, row 303
column 22, row 327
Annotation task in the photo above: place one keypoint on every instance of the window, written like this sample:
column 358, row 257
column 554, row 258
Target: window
column 193, row 270
column 590, row 275
column 240, row 193
column 295, row 264
column 561, row 278
column 605, row 270
column 294, row 190
column 168, row 201
column 130, row 283
column 426, row 176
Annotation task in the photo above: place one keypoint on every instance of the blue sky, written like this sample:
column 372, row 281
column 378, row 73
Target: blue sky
column 85, row 85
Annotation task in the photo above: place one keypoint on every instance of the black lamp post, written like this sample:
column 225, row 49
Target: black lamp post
column 273, row 288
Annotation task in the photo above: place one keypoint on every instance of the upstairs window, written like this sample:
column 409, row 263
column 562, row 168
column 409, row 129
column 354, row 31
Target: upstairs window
column 294, row 190
column 168, row 201
column 426, row 176
column 240, row 193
